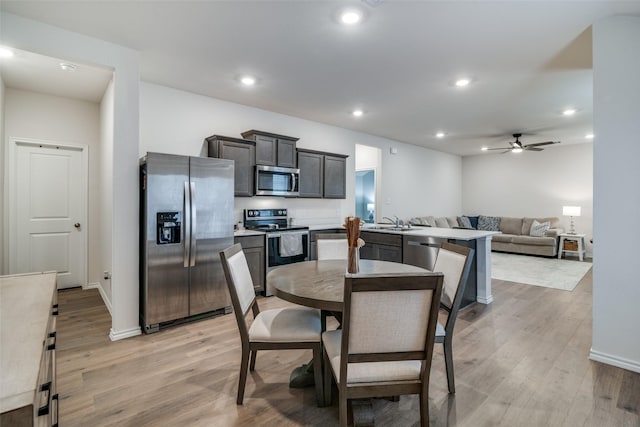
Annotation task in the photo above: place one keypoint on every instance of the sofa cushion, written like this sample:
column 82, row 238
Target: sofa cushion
column 442, row 222
column 502, row 238
column 526, row 223
column 473, row 220
column 463, row 221
column 511, row 225
column 453, row 221
column 534, row 241
column 489, row 223
column 538, row 229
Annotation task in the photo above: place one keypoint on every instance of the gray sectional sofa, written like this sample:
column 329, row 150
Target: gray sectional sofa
column 515, row 234
column 516, row 237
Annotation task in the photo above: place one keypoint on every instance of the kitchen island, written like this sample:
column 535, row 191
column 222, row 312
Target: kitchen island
column 419, row 246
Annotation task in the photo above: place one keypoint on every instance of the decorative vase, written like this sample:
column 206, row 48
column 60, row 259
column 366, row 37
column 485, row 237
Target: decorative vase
column 354, row 260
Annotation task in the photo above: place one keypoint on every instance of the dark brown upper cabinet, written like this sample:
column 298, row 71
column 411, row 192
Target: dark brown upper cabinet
column 322, row 174
column 243, row 153
column 273, row 149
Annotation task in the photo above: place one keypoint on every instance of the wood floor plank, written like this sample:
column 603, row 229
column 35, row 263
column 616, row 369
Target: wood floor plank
column 520, row 361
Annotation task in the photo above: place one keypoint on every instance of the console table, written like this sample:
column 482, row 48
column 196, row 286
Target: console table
column 579, row 238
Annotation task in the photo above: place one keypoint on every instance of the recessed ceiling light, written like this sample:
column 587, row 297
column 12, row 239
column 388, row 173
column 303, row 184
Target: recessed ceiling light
column 463, row 82
column 357, row 113
column 569, row 112
column 589, row 136
column 484, row 148
column 440, row 135
column 248, row 80
column 5, row 53
column 65, row 66
column 350, row 17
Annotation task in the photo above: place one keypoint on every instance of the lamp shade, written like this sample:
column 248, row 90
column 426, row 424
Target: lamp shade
column 571, row 210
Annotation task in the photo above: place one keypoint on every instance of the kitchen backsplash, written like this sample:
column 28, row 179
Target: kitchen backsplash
column 303, row 211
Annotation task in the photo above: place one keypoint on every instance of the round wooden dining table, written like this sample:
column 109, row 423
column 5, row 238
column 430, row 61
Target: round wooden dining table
column 320, row 284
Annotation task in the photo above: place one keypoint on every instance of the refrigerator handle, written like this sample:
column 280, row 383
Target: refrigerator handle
column 186, row 229
column 193, row 221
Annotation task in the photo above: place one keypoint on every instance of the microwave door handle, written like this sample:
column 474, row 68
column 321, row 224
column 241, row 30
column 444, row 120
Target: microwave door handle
column 293, row 182
column 186, row 232
column 194, row 224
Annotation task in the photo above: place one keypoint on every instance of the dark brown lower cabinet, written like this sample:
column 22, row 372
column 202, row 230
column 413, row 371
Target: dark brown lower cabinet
column 254, row 251
column 381, row 246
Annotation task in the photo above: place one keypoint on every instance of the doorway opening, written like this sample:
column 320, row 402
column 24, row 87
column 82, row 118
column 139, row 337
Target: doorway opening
column 367, row 182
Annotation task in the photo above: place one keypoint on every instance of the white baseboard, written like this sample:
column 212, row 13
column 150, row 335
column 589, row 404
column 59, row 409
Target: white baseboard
column 619, row 362
column 128, row 333
column 103, row 294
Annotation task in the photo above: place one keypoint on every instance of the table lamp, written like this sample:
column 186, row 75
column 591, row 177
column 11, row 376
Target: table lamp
column 371, row 207
column 571, row 211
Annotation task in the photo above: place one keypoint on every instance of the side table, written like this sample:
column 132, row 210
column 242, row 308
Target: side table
column 579, row 238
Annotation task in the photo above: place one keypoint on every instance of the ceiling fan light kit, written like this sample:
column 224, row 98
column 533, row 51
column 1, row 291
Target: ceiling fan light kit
column 518, row 147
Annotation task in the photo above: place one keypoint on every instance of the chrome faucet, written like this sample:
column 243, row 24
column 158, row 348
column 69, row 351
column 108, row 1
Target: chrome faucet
column 395, row 221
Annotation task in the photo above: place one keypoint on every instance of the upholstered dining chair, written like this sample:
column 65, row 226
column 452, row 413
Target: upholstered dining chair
column 332, row 246
column 454, row 261
column 386, row 342
column 277, row 329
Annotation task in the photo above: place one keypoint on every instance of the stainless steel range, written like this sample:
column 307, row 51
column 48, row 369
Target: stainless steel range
column 286, row 244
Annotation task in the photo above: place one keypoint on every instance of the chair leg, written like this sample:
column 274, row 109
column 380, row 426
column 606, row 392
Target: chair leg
column 327, row 383
column 244, row 364
column 424, row 409
column 317, row 374
column 252, row 366
column 343, row 410
column 448, row 360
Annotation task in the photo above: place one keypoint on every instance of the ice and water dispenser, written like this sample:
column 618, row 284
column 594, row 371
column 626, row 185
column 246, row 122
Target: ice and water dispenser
column 168, row 226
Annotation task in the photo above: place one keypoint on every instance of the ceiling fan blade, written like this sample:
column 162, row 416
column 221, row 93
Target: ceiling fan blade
column 540, row 144
column 529, row 148
column 501, row 148
column 508, row 150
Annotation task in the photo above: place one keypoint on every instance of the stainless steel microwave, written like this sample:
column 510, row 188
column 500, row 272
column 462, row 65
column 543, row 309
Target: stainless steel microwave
column 277, row 181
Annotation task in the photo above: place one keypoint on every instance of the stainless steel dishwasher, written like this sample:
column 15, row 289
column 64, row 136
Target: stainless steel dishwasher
column 421, row 251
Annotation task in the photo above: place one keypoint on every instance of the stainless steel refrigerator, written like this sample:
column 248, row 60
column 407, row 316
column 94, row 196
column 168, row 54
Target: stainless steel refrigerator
column 186, row 219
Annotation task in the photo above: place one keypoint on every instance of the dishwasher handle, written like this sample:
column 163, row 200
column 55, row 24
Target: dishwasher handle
column 428, row 245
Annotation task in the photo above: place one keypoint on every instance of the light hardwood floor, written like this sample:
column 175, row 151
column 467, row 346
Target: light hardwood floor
column 521, row 361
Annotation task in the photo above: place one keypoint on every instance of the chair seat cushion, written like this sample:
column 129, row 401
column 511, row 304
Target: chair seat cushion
column 368, row 371
column 286, row 324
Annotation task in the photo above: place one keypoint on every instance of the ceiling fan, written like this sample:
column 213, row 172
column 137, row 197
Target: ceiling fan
column 517, row 146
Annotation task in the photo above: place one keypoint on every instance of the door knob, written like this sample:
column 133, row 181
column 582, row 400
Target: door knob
column 76, row 225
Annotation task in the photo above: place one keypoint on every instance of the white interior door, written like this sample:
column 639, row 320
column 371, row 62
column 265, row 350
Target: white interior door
column 48, row 211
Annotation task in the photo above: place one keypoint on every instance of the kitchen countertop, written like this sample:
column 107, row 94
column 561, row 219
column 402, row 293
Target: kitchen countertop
column 445, row 233
column 240, row 233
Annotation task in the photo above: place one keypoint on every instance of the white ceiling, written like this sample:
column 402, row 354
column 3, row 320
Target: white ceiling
column 529, row 61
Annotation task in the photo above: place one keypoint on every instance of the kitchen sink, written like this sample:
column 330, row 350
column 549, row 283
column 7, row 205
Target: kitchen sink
column 386, row 227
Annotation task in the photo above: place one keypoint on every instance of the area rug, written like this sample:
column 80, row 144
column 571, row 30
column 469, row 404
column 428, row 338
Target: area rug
column 539, row 271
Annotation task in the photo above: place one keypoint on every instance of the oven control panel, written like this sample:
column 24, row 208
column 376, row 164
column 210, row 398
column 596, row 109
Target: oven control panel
column 265, row 213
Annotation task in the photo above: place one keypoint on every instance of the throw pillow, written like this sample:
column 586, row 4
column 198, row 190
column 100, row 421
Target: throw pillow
column 463, row 221
column 489, row 223
column 441, row 222
column 473, row 220
column 539, row 228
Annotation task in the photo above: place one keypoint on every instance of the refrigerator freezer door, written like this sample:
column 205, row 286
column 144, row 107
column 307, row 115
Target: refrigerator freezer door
column 165, row 280
column 212, row 191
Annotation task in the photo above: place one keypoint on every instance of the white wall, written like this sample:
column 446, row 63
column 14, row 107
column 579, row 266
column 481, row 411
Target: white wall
column 105, row 202
column 39, row 116
column 3, row 203
column 47, row 40
column 417, row 181
column 616, row 287
column 532, row 184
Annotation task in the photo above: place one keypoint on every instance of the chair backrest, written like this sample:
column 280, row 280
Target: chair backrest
column 332, row 246
column 454, row 261
column 241, row 290
column 390, row 318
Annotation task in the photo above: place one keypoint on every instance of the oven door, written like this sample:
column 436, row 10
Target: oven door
column 276, row 181
column 287, row 247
